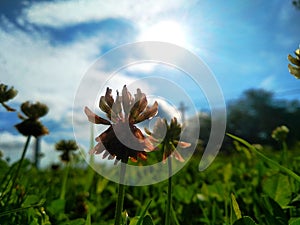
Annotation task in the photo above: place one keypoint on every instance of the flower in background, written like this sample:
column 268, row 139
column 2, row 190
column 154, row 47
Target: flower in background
column 167, row 137
column 295, row 69
column 123, row 140
column 66, row 147
column 7, row 94
column 280, row 133
column 31, row 124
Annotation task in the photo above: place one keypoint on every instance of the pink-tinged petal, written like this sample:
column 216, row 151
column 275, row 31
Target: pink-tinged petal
column 105, row 155
column 164, row 157
column 99, row 148
column 116, row 162
column 110, row 157
column 92, row 117
column 149, row 145
column 142, row 155
column 178, row 156
column 148, row 113
column 126, row 100
column 98, row 139
column 134, row 160
column 183, row 144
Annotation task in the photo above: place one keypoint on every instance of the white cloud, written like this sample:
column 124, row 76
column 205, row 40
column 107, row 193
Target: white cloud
column 268, row 83
column 43, row 72
column 65, row 13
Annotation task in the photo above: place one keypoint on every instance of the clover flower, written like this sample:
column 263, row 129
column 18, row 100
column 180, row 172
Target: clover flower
column 31, row 124
column 7, row 94
column 123, row 140
column 295, row 69
column 66, row 146
column 167, row 137
column 280, row 133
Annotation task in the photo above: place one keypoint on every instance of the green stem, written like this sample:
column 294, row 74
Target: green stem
column 121, row 194
column 19, row 167
column 169, row 202
column 284, row 153
column 7, row 178
column 64, row 183
column 266, row 159
column 21, row 209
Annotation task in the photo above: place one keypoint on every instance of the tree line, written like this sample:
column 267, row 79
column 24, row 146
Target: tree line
column 254, row 116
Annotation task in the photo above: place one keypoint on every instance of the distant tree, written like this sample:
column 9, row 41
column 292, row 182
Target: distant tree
column 257, row 113
column 296, row 3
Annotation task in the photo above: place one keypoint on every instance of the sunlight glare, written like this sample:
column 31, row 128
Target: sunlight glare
column 165, row 31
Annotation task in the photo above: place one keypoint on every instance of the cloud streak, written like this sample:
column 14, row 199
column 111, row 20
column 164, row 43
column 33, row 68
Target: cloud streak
column 81, row 11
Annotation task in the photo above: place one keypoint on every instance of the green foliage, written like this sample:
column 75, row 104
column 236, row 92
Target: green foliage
column 261, row 193
column 245, row 221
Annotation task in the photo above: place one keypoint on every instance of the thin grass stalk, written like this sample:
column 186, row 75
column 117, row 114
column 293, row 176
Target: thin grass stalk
column 169, row 201
column 121, row 194
column 19, row 167
column 283, row 169
column 64, row 183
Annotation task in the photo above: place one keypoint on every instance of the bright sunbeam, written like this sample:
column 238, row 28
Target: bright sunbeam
column 166, row 31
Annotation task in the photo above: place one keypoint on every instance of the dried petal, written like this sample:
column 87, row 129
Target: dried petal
column 294, row 60
column 183, row 144
column 148, row 113
column 108, row 98
column 92, row 117
column 294, row 71
column 7, row 94
column 99, row 148
column 142, row 155
column 104, row 106
column 178, row 156
column 138, row 107
column 8, row 108
column 297, row 53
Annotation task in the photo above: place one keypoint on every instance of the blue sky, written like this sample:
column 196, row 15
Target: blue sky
column 47, row 47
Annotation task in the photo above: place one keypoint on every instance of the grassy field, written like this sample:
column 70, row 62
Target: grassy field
column 240, row 188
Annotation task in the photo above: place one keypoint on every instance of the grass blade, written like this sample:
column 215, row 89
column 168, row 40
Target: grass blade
column 266, row 159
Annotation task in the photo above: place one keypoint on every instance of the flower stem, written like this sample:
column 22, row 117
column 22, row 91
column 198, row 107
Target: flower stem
column 169, row 202
column 64, row 183
column 19, row 167
column 121, row 194
column 284, row 153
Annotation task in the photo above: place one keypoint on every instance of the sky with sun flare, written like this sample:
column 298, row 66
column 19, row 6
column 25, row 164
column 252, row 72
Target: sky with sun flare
column 47, row 47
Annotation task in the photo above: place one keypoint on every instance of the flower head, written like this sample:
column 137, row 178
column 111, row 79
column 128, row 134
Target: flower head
column 31, row 124
column 122, row 140
column 7, row 94
column 168, row 138
column 66, row 146
column 280, row 133
column 295, row 69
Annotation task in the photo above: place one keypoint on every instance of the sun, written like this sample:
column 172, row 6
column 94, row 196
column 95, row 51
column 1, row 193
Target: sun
column 165, row 31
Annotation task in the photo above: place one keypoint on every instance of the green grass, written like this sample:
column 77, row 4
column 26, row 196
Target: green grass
column 241, row 188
